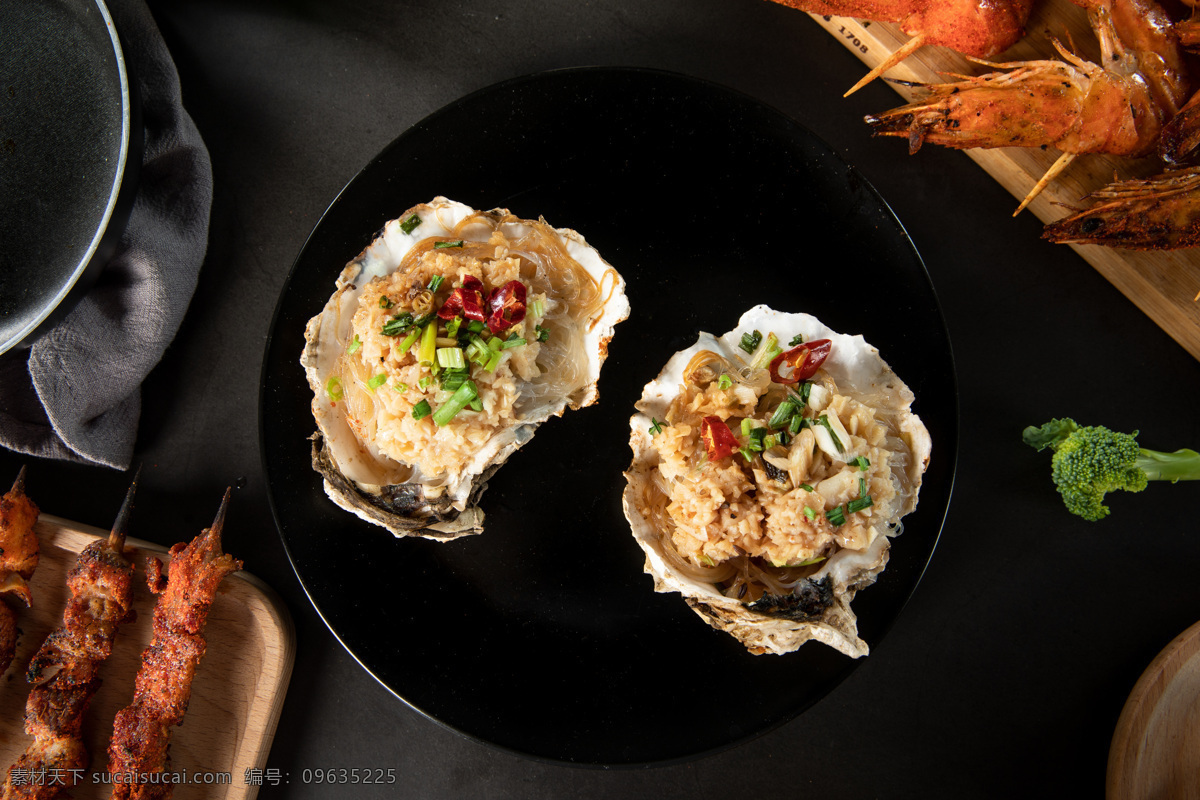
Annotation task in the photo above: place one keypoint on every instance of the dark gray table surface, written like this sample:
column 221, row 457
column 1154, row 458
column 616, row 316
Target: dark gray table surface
column 1008, row 669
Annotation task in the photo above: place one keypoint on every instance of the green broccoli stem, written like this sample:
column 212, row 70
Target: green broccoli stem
column 1182, row 465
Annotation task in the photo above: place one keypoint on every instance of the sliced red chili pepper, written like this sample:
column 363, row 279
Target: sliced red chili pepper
column 507, row 304
column 466, row 300
column 719, row 441
column 801, row 362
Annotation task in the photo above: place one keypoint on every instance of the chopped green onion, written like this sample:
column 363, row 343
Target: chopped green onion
column 836, row 516
column 422, row 410
column 475, row 326
column 354, row 345
column 410, row 224
column 858, row 505
column 862, row 487
column 824, row 421
column 708, row 562
column 385, row 301
column 782, row 414
column 808, row 562
column 435, row 283
column 750, row 341
column 494, row 344
column 512, row 341
column 397, row 324
column 451, row 379
column 767, row 352
column 492, row 362
column 747, row 426
column 724, row 382
column 423, row 384
column 421, row 322
column 453, row 325
column 747, row 453
column 408, row 340
column 757, row 436
column 862, row 462
column 457, row 402
column 446, row 245
column 537, row 307
column 542, row 333
column 771, row 440
column 450, row 357
column 806, row 487
column 797, row 424
column 656, row 427
column 475, row 405
column 808, row 512
column 477, row 351
column 377, row 381
column 805, row 392
column 401, row 387
column 427, row 354
column 333, row 388
column 797, row 340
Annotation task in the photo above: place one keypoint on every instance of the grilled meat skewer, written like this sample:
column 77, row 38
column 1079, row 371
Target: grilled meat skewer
column 18, row 560
column 65, row 670
column 142, row 730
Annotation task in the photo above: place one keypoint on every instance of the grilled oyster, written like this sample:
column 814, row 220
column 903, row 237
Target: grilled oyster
column 771, row 468
column 449, row 339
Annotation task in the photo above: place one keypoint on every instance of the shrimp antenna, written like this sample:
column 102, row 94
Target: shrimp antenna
column 895, row 58
column 1055, row 170
column 116, row 539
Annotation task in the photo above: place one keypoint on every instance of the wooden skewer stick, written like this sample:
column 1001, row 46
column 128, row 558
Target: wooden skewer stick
column 904, row 51
column 116, row 538
column 1055, row 170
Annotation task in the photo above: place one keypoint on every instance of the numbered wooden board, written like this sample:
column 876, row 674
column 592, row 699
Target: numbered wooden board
column 237, row 693
column 1164, row 285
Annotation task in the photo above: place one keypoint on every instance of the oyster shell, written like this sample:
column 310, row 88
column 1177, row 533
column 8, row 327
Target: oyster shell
column 423, row 476
column 755, row 528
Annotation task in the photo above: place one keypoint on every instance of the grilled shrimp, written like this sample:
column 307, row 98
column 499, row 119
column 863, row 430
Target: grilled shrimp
column 1158, row 213
column 980, row 28
column 1118, row 106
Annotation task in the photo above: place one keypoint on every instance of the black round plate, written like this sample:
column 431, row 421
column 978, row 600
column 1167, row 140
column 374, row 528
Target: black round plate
column 70, row 146
column 543, row 635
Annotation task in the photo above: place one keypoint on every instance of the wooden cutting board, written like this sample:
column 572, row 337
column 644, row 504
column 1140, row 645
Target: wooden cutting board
column 236, row 696
column 1162, row 284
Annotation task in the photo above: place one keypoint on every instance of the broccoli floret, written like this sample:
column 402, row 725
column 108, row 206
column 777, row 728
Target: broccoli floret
column 1089, row 462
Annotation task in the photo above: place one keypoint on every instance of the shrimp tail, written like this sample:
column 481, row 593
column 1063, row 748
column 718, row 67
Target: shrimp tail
column 1158, row 213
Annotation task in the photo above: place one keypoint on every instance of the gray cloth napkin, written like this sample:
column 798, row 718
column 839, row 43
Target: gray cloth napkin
column 76, row 393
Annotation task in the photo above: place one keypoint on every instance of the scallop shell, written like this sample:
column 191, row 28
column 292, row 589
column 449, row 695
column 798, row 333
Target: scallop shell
column 356, row 472
column 859, row 371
